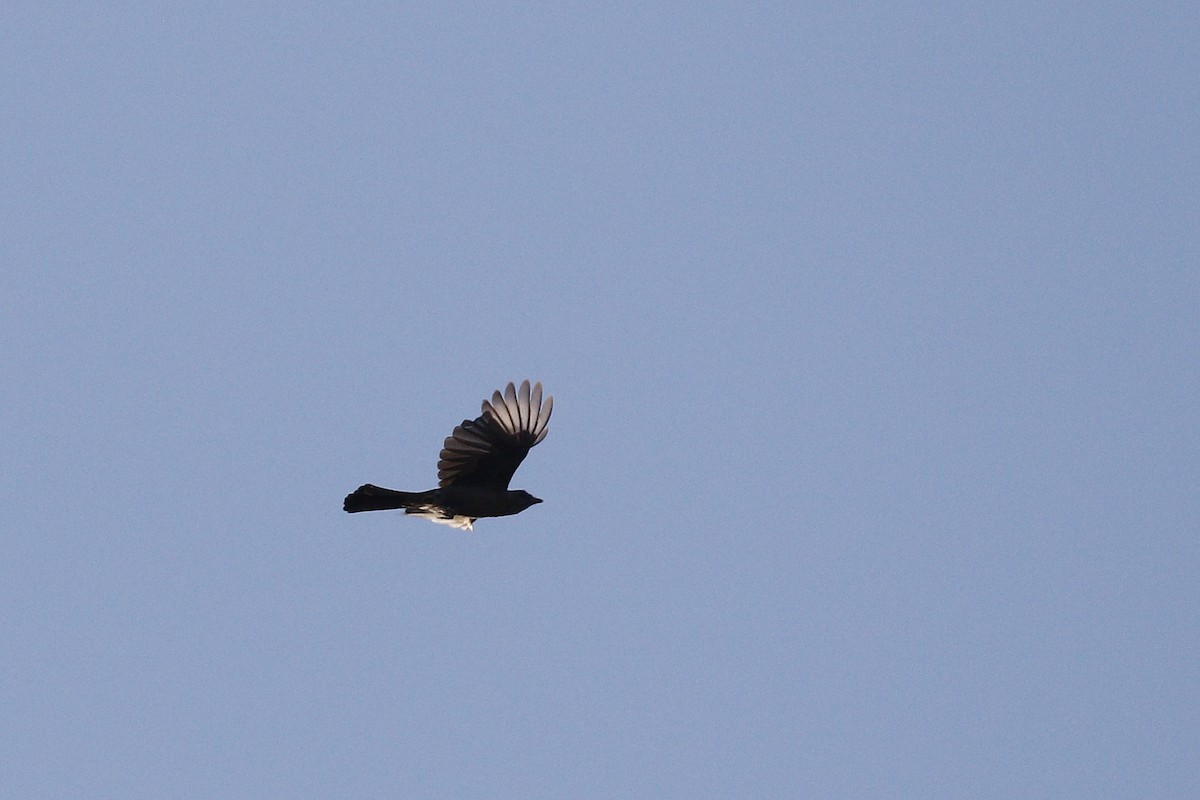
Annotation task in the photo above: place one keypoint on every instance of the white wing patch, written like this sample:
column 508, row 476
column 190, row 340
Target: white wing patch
column 438, row 516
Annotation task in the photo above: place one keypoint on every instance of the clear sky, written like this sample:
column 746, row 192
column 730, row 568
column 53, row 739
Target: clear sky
column 873, row 335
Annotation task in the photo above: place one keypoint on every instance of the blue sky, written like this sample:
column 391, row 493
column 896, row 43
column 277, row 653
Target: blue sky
column 872, row 331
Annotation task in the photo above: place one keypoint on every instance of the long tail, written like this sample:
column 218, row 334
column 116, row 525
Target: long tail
column 374, row 498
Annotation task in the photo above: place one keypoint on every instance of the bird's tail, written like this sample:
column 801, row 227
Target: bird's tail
column 374, row 498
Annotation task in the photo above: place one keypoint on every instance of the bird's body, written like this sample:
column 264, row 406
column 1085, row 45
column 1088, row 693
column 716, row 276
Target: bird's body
column 477, row 463
column 456, row 506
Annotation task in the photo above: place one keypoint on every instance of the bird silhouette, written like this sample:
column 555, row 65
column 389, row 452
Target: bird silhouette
column 477, row 463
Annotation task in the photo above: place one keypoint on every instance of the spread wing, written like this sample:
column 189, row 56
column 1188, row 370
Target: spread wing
column 485, row 452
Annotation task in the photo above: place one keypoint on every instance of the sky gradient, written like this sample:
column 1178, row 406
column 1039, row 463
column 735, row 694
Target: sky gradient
column 872, row 331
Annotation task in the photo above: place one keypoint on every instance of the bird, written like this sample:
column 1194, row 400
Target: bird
column 476, row 464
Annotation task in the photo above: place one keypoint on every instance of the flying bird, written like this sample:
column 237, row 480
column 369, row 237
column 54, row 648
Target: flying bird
column 476, row 464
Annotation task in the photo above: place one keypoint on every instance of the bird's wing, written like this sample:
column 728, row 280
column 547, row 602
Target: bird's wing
column 485, row 452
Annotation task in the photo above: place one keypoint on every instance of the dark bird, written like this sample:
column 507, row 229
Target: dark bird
column 476, row 464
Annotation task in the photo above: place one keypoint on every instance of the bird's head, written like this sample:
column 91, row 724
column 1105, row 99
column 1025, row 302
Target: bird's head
column 523, row 499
